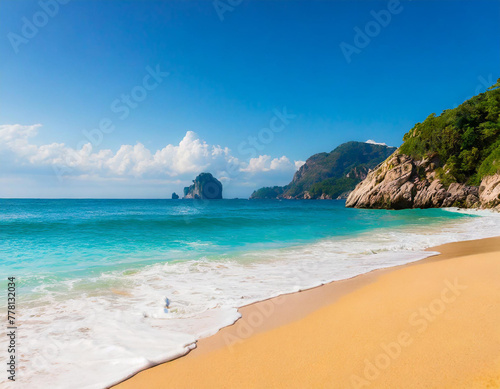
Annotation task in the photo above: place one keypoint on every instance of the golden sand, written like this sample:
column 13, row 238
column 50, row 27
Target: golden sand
column 431, row 324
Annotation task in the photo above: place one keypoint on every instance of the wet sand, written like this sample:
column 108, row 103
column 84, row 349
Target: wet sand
column 434, row 323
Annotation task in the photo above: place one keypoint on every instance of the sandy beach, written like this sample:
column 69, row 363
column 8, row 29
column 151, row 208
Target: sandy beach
column 429, row 324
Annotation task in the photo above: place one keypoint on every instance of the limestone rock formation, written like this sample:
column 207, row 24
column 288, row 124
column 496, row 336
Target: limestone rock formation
column 440, row 159
column 489, row 191
column 205, row 187
column 401, row 182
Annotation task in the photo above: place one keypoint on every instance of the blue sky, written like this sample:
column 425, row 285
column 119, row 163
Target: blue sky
column 230, row 70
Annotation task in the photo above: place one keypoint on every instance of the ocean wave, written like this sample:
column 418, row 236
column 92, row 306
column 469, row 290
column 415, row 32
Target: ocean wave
column 114, row 324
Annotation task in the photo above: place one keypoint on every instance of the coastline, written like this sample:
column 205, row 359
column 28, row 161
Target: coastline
column 277, row 341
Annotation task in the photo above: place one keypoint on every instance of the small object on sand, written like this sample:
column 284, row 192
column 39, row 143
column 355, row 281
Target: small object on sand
column 167, row 305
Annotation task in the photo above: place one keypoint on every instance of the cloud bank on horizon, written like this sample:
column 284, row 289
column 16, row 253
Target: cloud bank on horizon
column 176, row 162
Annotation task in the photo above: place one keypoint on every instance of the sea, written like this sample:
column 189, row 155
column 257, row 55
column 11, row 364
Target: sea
column 92, row 276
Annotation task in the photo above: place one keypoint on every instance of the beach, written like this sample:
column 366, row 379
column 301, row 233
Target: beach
column 103, row 305
column 250, row 194
column 426, row 324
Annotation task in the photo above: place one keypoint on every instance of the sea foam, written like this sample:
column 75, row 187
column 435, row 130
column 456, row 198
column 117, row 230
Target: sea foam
column 93, row 332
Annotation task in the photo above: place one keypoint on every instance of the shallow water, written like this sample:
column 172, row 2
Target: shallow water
column 92, row 274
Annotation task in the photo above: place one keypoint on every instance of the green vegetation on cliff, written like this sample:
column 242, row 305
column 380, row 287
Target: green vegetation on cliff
column 271, row 192
column 333, row 187
column 465, row 141
column 330, row 174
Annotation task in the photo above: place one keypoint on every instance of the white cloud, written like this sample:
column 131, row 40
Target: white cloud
column 372, row 142
column 191, row 156
column 298, row 164
column 264, row 163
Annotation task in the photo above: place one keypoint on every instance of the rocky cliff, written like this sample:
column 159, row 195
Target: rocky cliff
column 205, row 187
column 448, row 160
column 401, row 182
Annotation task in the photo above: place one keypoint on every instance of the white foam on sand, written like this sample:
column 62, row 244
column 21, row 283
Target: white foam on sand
column 93, row 333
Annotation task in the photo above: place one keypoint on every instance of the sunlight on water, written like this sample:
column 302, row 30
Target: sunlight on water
column 93, row 274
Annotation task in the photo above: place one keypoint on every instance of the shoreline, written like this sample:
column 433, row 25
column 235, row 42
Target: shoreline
column 276, row 314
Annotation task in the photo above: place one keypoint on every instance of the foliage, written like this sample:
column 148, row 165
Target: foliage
column 333, row 187
column 267, row 192
column 466, row 139
column 326, row 173
column 491, row 163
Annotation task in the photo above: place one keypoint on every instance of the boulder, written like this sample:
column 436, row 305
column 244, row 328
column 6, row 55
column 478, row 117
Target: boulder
column 457, row 195
column 489, row 191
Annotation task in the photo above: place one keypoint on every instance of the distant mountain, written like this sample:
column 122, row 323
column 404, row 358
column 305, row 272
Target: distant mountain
column 330, row 175
column 448, row 160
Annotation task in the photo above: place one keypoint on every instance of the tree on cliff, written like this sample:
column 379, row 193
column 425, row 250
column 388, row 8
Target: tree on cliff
column 465, row 140
column 448, row 160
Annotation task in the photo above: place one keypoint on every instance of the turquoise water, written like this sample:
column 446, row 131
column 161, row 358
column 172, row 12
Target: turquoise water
column 92, row 275
column 79, row 238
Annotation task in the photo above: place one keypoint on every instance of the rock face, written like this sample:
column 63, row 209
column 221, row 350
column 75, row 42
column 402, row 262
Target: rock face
column 489, row 191
column 439, row 159
column 175, row 196
column 205, row 187
column 401, row 182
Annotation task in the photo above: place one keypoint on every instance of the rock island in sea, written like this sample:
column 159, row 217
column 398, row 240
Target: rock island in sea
column 205, row 187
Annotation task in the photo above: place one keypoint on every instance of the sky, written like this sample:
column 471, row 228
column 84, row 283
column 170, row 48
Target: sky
column 133, row 99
